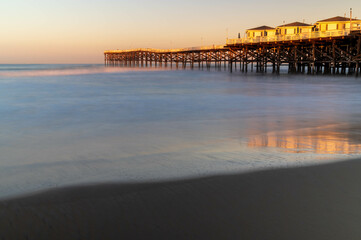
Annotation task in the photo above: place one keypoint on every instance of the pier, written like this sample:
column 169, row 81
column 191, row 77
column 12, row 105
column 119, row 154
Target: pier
column 336, row 52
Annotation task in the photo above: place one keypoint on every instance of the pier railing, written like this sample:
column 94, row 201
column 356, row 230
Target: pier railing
column 298, row 37
column 275, row 38
column 202, row 48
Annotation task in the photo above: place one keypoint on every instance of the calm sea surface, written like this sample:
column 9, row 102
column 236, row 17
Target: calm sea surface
column 73, row 124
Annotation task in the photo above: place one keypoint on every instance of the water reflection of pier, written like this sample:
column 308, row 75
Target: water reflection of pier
column 314, row 141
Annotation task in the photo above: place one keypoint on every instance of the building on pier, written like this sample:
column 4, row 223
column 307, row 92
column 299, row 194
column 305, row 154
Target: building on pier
column 337, row 24
column 262, row 31
column 296, row 31
column 294, row 28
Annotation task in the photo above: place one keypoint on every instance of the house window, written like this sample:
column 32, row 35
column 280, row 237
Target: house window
column 323, row 27
column 331, row 26
column 290, row 31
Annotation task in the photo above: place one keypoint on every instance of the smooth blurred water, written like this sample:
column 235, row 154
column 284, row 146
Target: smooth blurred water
column 72, row 124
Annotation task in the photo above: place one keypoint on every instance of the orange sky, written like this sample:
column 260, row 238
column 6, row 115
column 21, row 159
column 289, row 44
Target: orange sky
column 39, row 31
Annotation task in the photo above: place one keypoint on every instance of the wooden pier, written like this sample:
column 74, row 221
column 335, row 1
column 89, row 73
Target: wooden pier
column 314, row 55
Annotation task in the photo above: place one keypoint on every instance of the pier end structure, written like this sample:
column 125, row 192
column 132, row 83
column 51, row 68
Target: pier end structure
column 296, row 45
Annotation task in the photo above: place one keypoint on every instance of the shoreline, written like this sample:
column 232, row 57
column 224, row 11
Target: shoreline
column 309, row 202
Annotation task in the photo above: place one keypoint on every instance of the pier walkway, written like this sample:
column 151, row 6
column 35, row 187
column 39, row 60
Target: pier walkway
column 337, row 52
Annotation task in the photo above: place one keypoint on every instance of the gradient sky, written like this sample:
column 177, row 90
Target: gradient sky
column 78, row 31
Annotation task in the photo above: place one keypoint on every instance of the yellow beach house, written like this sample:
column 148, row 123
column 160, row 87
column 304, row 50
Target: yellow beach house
column 295, row 28
column 338, row 24
column 262, row 31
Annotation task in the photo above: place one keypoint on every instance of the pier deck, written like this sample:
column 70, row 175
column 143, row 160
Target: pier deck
column 316, row 53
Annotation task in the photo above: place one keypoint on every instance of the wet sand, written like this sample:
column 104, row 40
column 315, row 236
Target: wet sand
column 316, row 202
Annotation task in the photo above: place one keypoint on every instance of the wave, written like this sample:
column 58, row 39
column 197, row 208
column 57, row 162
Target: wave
column 71, row 71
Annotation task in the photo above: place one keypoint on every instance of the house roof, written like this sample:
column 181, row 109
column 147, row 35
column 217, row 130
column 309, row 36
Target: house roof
column 262, row 28
column 296, row 24
column 337, row 19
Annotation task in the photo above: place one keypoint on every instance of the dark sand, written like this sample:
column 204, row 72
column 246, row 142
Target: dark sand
column 318, row 202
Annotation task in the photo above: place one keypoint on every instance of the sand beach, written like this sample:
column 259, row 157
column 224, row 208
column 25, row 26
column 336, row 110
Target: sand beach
column 314, row 202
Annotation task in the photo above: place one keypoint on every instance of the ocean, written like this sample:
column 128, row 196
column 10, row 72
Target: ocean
column 65, row 125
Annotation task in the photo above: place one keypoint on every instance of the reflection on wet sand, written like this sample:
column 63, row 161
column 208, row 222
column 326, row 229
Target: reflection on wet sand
column 315, row 140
